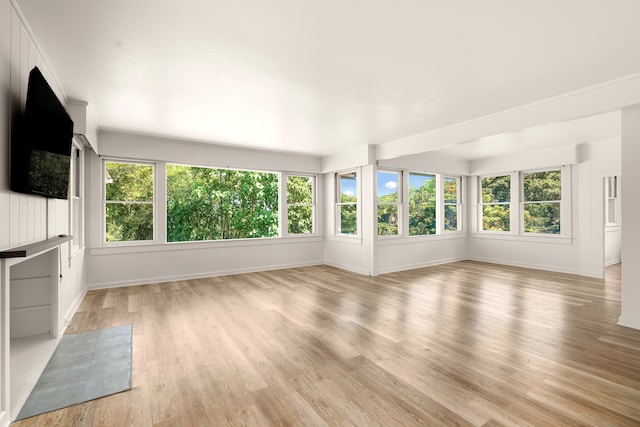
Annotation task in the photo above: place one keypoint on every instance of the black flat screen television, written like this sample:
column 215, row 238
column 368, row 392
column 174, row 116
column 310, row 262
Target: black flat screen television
column 41, row 143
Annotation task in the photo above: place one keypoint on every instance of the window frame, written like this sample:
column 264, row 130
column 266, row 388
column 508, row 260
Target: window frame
column 153, row 202
column 76, row 198
column 339, row 204
column 284, row 204
column 399, row 203
column 523, row 202
column 437, row 197
column 611, row 208
column 458, row 204
column 516, row 216
column 482, row 204
column 279, row 233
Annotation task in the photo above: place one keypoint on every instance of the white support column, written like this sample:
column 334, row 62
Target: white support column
column 630, row 315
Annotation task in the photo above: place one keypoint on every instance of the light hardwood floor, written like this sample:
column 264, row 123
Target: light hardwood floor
column 465, row 343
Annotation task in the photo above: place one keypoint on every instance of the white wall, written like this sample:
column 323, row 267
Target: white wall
column 109, row 266
column 631, row 210
column 583, row 251
column 354, row 253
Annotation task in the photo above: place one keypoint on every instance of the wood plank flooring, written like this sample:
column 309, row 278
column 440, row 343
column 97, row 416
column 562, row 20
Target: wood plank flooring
column 462, row 344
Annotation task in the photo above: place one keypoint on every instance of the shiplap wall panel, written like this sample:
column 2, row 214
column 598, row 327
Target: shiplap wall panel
column 5, row 111
column 31, row 218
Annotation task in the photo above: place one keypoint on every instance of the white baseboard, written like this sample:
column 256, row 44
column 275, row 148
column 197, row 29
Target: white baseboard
column 629, row 321
column 535, row 266
column 203, row 275
column 406, row 267
column 350, row 268
column 71, row 311
column 613, row 262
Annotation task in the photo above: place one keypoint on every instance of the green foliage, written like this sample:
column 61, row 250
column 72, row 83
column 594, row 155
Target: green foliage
column 450, row 204
column 349, row 218
column 496, row 217
column 542, row 186
column 129, row 197
column 422, row 208
column 387, row 215
column 129, row 222
column 212, row 204
column 542, row 218
column 545, row 188
column 300, row 200
column 496, row 189
column 129, row 182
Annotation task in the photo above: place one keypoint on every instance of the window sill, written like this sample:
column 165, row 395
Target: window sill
column 403, row 240
column 538, row 238
column 210, row 244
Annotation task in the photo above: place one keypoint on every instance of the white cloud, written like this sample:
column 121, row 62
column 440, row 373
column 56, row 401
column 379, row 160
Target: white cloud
column 348, row 193
column 391, row 185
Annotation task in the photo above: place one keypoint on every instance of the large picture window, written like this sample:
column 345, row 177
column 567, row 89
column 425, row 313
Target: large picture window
column 496, row 203
column 542, row 196
column 347, row 203
column 388, row 202
column 129, row 202
column 300, row 204
column 212, row 204
column 422, row 204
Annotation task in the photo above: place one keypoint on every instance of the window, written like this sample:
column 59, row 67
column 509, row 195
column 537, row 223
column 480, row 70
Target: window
column 542, row 196
column 611, row 200
column 496, row 203
column 75, row 199
column 212, row 204
column 422, row 204
column 129, row 202
column 388, row 203
column 300, row 204
column 347, row 203
column 452, row 205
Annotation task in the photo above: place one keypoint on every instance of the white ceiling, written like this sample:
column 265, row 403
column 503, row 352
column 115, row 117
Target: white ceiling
column 321, row 76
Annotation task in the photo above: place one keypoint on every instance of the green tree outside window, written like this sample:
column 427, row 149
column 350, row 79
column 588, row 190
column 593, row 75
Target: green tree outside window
column 496, row 203
column 542, row 192
column 300, row 201
column 213, row 204
column 129, row 203
column 422, row 204
column 388, row 203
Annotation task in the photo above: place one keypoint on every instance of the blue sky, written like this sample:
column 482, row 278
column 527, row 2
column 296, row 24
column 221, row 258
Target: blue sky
column 387, row 183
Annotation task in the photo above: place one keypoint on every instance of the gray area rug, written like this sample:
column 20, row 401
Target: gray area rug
column 84, row 367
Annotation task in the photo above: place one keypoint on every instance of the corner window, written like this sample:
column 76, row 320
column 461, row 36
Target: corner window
column 452, row 204
column 300, row 204
column 129, row 202
column 388, row 203
column 542, row 196
column 347, row 203
column 422, row 204
column 496, row 203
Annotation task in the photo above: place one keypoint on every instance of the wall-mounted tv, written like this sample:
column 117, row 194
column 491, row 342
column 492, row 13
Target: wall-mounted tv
column 41, row 143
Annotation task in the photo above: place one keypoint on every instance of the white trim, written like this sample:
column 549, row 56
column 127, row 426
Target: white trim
column 144, row 247
column 421, row 239
column 629, row 321
column 202, row 275
column 529, row 238
column 421, row 265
